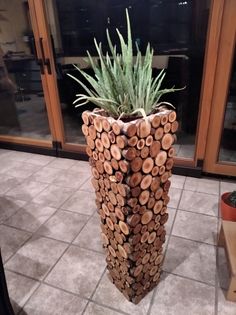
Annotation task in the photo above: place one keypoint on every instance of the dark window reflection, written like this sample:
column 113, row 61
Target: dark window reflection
column 228, row 143
column 176, row 30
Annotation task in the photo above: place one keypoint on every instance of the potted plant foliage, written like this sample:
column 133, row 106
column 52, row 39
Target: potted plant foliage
column 228, row 206
column 129, row 144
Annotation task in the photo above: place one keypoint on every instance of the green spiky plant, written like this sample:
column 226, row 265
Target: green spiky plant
column 232, row 199
column 122, row 85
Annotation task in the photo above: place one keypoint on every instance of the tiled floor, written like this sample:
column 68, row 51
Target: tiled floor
column 54, row 262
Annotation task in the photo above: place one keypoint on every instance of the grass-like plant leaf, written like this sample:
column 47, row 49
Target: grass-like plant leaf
column 122, row 86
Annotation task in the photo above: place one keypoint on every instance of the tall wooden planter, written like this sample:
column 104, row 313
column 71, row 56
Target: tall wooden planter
column 131, row 164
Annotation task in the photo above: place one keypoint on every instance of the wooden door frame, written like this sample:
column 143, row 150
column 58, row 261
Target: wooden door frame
column 220, row 93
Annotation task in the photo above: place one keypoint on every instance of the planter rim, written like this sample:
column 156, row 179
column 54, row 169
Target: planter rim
column 223, row 198
column 97, row 112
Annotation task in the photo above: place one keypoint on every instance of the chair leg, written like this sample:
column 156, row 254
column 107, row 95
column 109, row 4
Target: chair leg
column 231, row 293
column 221, row 239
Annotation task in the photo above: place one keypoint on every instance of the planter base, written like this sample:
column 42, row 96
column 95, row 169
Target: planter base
column 131, row 164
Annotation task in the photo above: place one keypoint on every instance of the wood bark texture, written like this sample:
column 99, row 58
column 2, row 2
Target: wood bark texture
column 131, row 165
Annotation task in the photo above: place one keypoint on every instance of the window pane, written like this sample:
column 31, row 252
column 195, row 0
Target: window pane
column 22, row 108
column 228, row 140
column 176, row 30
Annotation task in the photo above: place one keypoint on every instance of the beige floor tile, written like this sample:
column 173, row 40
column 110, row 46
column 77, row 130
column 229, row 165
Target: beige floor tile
column 177, row 181
column 30, row 217
column 194, row 226
column 36, row 257
column 191, row 259
column 170, row 221
column 68, row 178
column 11, row 240
column 22, row 169
column 9, row 206
column 20, row 289
column 78, row 271
column 226, row 186
column 63, row 225
column 108, row 295
column 82, row 202
column 39, row 159
column 27, row 190
column 199, row 202
column 54, row 196
column 46, row 175
column 63, row 164
column 95, row 309
column 174, row 194
column 90, row 236
column 175, row 295
column 81, row 166
column 49, row 301
column 8, row 182
column 209, row 186
column 87, row 186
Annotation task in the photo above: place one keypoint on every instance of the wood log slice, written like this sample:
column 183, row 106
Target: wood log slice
column 135, row 179
column 144, row 152
column 147, row 165
column 146, row 182
column 129, row 154
column 85, row 118
column 161, row 158
column 124, row 227
column 167, row 127
column 174, row 126
column 140, row 144
column 136, row 164
column 156, row 120
column 172, row 116
column 164, row 119
column 144, row 129
column 106, row 125
column 98, row 124
column 143, row 197
column 121, row 141
column 108, row 168
column 133, row 141
column 167, row 141
column 124, row 166
column 159, row 133
column 155, row 148
column 146, row 217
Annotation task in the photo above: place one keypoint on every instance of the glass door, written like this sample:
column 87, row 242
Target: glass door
column 25, row 102
column 220, row 155
column 177, row 30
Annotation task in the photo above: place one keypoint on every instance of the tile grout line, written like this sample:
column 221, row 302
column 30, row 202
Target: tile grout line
column 92, row 294
column 200, row 213
column 192, row 240
column 217, row 255
column 170, row 233
column 171, row 229
column 189, row 278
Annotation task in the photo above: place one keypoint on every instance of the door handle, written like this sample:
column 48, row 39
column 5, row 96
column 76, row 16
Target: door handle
column 46, row 61
column 39, row 61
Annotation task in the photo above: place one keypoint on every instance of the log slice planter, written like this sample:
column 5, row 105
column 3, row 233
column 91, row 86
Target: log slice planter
column 131, row 165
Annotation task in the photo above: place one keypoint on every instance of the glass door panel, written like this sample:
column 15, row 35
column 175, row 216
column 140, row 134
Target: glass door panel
column 176, row 30
column 23, row 111
column 227, row 152
column 220, row 155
